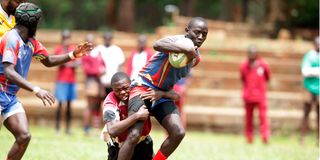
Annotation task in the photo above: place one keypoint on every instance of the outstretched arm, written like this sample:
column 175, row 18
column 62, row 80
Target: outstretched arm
column 54, row 60
column 177, row 45
column 154, row 95
column 116, row 127
column 15, row 78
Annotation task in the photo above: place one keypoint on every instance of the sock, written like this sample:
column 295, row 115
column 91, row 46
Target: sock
column 159, row 156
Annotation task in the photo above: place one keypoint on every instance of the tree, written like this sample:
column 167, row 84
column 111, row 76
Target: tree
column 125, row 21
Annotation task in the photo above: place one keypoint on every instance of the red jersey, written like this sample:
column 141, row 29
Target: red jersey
column 66, row 72
column 254, row 79
column 120, row 111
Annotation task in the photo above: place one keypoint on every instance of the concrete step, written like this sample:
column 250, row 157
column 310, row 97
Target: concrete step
column 231, row 80
column 197, row 115
column 233, row 98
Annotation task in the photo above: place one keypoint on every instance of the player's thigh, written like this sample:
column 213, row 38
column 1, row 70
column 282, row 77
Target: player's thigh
column 144, row 150
column 135, row 103
column 17, row 124
column 165, row 109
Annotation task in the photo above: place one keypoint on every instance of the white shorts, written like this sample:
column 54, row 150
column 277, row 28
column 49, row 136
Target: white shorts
column 14, row 109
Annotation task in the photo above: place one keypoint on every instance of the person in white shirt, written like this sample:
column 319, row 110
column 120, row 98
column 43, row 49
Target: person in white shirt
column 113, row 59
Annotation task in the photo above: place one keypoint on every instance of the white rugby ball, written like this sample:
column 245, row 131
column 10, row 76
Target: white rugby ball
column 179, row 60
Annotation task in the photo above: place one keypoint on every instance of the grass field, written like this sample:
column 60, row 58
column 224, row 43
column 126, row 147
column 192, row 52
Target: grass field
column 46, row 145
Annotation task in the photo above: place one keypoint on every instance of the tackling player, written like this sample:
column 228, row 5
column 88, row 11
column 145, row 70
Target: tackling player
column 115, row 113
column 17, row 48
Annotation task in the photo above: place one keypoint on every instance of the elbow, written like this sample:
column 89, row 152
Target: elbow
column 156, row 46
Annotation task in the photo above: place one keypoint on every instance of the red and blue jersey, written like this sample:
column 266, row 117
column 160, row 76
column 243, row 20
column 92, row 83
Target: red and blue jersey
column 15, row 51
column 159, row 74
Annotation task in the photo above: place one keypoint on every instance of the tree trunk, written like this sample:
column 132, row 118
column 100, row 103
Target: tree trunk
column 187, row 6
column 226, row 10
column 244, row 10
column 111, row 13
column 125, row 21
column 275, row 11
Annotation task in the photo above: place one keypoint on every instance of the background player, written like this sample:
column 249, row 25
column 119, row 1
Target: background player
column 115, row 111
column 17, row 47
column 7, row 10
column 160, row 75
column 65, row 89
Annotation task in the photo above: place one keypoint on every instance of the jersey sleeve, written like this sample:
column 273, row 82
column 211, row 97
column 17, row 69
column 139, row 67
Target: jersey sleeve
column 10, row 50
column 39, row 51
column 110, row 112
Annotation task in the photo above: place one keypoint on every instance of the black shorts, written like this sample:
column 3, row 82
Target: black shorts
column 143, row 150
column 159, row 111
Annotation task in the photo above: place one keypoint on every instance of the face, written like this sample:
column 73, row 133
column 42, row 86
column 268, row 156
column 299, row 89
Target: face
column 142, row 40
column 122, row 89
column 12, row 5
column 197, row 32
column 107, row 39
column 252, row 53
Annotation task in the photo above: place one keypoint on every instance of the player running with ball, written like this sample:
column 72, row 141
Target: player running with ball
column 159, row 74
column 17, row 47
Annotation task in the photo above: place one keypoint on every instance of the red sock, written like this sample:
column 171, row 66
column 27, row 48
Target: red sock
column 159, row 156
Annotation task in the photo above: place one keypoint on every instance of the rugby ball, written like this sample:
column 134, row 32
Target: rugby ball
column 179, row 60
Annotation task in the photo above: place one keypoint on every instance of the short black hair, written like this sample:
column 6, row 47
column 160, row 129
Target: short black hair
column 194, row 20
column 118, row 77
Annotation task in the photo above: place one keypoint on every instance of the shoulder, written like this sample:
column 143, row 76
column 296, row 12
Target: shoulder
column 110, row 100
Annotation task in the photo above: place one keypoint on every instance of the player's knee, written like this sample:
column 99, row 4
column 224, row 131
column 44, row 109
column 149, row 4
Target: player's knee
column 133, row 137
column 179, row 134
column 24, row 138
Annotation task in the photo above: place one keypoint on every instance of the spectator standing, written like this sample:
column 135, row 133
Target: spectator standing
column 65, row 90
column 310, row 68
column 139, row 57
column 255, row 74
column 113, row 59
column 93, row 67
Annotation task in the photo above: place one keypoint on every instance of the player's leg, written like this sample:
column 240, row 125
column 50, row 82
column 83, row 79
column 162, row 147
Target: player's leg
column 87, row 116
column 144, row 150
column 249, row 121
column 316, row 101
column 58, row 117
column 127, row 149
column 16, row 122
column 168, row 116
column 305, row 120
column 68, row 117
column 264, row 123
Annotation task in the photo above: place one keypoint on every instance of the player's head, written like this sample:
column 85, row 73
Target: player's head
column 120, row 83
column 28, row 15
column 107, row 38
column 65, row 37
column 90, row 38
column 10, row 5
column 252, row 53
column 197, row 30
column 142, row 42
column 316, row 42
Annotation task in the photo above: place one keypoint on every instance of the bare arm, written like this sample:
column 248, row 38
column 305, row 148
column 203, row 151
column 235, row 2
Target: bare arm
column 54, row 60
column 15, row 78
column 154, row 95
column 116, row 127
column 177, row 45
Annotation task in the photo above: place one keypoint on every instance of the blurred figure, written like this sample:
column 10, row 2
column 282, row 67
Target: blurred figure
column 255, row 74
column 93, row 67
column 65, row 90
column 7, row 10
column 113, row 59
column 139, row 57
column 310, row 68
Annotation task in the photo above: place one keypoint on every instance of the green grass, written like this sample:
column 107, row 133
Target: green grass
column 46, row 145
